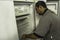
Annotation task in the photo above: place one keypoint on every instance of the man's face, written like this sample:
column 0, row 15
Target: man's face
column 39, row 9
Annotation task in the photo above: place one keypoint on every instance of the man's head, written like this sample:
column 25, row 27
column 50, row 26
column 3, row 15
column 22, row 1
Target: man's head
column 40, row 7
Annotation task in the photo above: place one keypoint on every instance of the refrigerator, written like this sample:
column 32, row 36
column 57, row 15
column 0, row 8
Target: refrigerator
column 24, row 13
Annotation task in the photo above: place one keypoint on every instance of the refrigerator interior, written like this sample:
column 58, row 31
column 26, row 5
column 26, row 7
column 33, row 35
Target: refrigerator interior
column 24, row 17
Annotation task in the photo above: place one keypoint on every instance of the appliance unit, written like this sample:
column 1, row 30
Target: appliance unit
column 24, row 17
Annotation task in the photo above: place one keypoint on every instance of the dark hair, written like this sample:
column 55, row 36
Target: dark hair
column 41, row 3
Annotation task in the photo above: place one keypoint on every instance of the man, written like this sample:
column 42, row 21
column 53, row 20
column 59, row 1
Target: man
column 49, row 24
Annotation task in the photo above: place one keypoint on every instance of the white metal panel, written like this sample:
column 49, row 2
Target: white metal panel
column 6, row 0
column 8, row 29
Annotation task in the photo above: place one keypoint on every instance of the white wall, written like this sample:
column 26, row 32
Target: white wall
column 40, row 0
column 8, row 29
column 43, row 0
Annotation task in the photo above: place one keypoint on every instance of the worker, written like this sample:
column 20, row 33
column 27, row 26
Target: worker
column 49, row 24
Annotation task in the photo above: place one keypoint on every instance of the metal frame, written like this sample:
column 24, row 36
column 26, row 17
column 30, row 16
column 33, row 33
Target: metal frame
column 55, row 4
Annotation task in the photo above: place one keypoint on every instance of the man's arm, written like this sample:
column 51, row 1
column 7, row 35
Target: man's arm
column 32, row 36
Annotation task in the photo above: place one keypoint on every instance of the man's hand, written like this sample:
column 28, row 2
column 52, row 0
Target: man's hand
column 24, row 36
column 31, row 36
